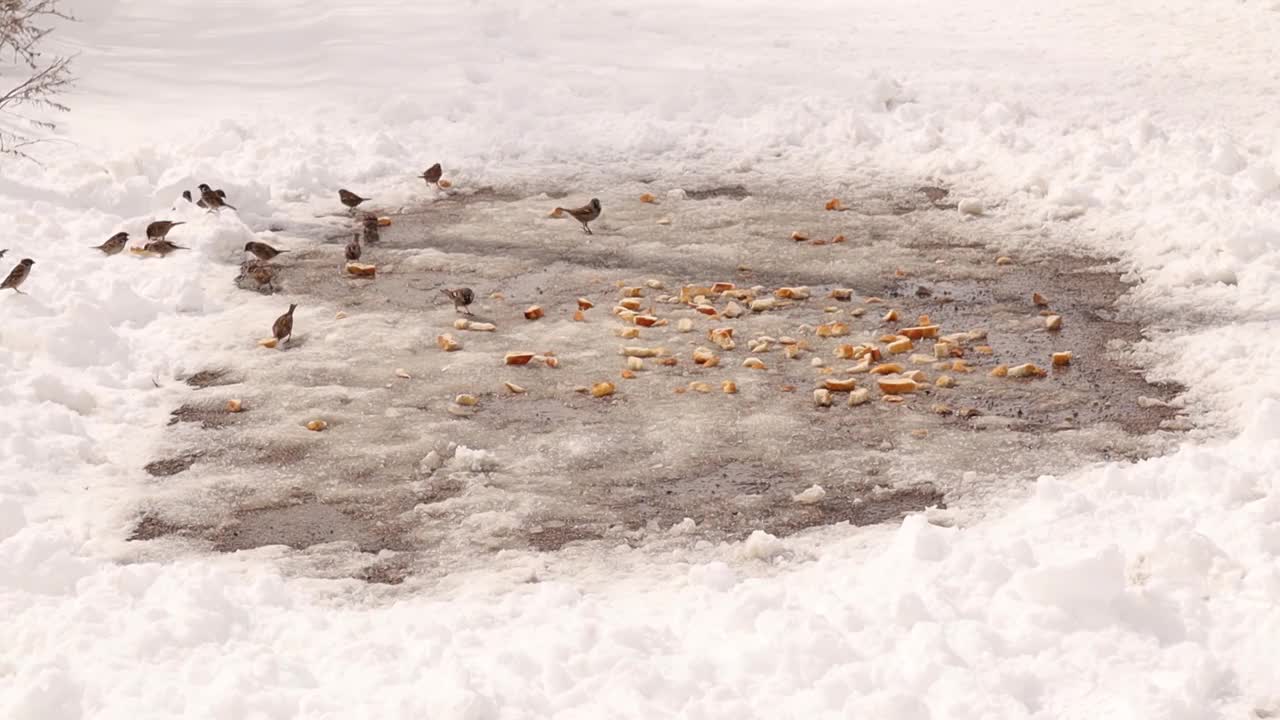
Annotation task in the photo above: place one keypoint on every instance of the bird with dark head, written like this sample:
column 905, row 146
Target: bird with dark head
column 350, row 199
column 17, row 276
column 213, row 199
column 461, row 297
column 159, row 229
column 114, row 244
column 162, row 247
column 282, row 329
column 585, row 214
column 262, row 251
column 433, row 175
column 186, row 195
column 371, row 233
column 353, row 248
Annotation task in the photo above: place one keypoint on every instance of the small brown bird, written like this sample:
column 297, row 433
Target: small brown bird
column 114, row 244
column 283, row 327
column 353, row 247
column 2, row 252
column 461, row 298
column 350, row 199
column 159, row 229
column 162, row 247
column 17, row 276
column 213, row 199
column 186, row 195
column 585, row 214
column 262, row 251
column 433, row 175
column 371, row 233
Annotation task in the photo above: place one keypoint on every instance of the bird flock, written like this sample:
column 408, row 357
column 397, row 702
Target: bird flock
column 216, row 200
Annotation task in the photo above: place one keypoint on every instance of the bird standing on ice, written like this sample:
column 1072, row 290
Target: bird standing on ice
column 461, row 297
column 585, row 214
column 350, row 199
column 282, row 329
column 262, row 251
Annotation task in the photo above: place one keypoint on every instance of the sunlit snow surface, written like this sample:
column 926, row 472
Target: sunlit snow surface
column 1143, row 590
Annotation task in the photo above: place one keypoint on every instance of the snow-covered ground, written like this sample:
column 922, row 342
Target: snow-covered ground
column 1140, row 129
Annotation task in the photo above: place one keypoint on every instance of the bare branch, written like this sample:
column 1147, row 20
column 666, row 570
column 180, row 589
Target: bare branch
column 21, row 30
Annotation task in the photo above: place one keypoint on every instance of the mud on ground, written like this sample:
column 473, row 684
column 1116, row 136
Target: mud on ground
column 412, row 483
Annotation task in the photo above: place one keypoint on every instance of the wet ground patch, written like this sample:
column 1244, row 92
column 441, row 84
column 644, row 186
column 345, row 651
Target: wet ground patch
column 403, row 469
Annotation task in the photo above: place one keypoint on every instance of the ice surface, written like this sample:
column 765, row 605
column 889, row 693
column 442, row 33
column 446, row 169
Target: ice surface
column 1127, row 588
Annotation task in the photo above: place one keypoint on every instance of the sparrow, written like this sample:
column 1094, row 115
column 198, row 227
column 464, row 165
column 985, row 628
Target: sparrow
column 187, row 194
column 114, row 244
column 162, row 247
column 585, row 214
column 433, row 174
column 159, row 229
column 371, row 234
column 350, row 199
column 17, row 276
column 283, row 327
column 353, row 247
column 2, row 252
column 213, row 199
column 461, row 298
column 263, row 251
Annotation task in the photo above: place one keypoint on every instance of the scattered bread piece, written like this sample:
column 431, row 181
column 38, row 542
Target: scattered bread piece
column 800, row 236
column 362, row 269
column 729, row 387
column 448, row 343
column 1053, row 323
column 897, row 385
column 234, row 406
column 585, row 304
column 648, row 198
column 317, row 425
column 1039, row 300
column 861, row 396
column 999, row 371
column 1061, row 359
column 1027, row 370
column 533, row 312
column 602, row 389
column 513, row 388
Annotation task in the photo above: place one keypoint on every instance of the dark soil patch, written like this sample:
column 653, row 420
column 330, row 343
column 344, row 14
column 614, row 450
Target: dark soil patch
column 172, row 466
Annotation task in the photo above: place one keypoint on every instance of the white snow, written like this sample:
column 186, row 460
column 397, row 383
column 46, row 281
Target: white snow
column 1143, row 589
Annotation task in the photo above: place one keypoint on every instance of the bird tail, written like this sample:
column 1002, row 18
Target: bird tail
column 180, row 222
column 292, row 307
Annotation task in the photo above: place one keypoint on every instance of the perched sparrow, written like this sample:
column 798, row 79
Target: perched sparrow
column 263, row 251
column 350, row 199
column 114, row 244
column 159, row 229
column 214, row 200
column 432, row 175
column 461, row 298
column 162, row 247
column 371, row 234
column 2, row 252
column 353, row 247
column 585, row 214
column 18, row 276
column 186, row 195
column 283, row 327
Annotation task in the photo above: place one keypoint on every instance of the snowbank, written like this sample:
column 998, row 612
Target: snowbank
column 1141, row 589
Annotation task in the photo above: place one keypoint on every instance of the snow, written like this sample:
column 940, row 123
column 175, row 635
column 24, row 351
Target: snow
column 1142, row 589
